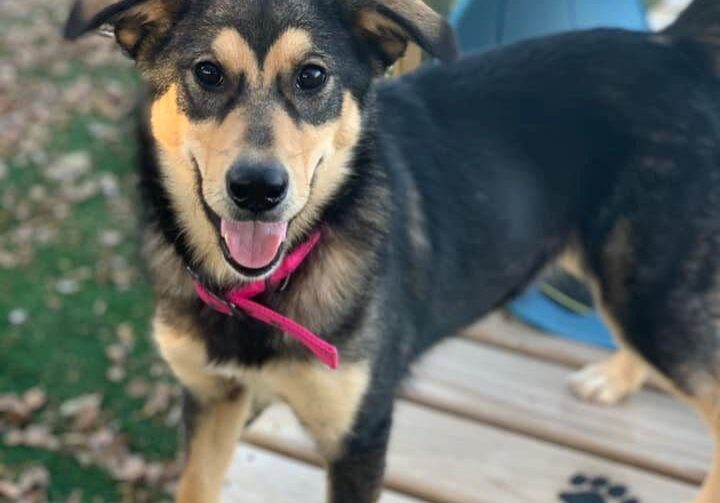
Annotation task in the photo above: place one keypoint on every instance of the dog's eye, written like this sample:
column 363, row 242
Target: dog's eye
column 209, row 75
column 311, row 77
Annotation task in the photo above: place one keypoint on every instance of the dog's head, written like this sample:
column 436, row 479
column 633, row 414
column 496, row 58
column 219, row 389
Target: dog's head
column 257, row 106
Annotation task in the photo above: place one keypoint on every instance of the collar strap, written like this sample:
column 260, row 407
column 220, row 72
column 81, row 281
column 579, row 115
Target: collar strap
column 241, row 299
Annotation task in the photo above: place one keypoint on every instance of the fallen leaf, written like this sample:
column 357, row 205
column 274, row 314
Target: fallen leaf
column 84, row 409
column 18, row 317
column 69, row 167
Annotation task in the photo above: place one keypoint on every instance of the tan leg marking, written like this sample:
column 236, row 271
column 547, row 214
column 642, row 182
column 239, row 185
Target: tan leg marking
column 187, row 358
column 707, row 404
column 219, row 423
column 710, row 492
column 611, row 381
column 217, row 431
column 325, row 401
column 614, row 380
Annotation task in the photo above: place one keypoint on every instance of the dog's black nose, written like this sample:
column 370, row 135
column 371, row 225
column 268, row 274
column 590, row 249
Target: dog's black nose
column 257, row 186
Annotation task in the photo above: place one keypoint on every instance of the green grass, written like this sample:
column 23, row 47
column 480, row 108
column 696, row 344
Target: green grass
column 68, row 474
column 61, row 347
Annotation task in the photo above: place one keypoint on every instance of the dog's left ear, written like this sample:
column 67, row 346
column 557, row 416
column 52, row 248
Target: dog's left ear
column 390, row 24
column 133, row 20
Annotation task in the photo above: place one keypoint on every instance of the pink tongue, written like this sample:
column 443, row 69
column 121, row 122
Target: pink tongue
column 253, row 245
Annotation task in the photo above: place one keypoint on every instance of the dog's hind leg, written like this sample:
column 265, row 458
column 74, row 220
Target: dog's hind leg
column 710, row 492
column 610, row 381
column 678, row 336
column 615, row 379
column 662, row 299
column 701, row 388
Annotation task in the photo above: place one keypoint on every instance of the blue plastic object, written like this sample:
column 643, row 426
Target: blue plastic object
column 486, row 24
column 537, row 310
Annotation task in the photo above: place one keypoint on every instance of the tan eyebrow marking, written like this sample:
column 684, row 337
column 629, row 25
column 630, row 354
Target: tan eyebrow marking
column 285, row 53
column 235, row 55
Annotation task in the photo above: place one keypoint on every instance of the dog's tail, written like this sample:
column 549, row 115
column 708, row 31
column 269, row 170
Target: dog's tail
column 699, row 22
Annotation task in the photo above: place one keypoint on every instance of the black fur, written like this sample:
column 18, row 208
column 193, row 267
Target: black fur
column 471, row 177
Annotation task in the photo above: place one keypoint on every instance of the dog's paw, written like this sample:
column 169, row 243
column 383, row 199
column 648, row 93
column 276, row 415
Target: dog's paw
column 597, row 490
column 603, row 383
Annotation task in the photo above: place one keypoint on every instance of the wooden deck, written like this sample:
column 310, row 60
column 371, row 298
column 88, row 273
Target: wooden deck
column 488, row 419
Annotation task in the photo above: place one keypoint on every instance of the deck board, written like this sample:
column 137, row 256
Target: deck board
column 487, row 419
column 260, row 476
column 443, row 458
column 652, row 430
column 499, row 330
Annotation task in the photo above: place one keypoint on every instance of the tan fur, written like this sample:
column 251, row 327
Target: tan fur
column 313, row 155
column 153, row 11
column 129, row 29
column 127, row 38
column 706, row 401
column 709, row 409
column 710, row 492
column 187, row 357
column 325, row 401
column 286, row 54
column 411, row 61
column 611, row 381
column 219, row 426
column 328, row 287
column 233, row 52
column 393, row 38
column 302, row 385
column 316, row 156
column 172, row 132
column 571, row 261
column 169, row 124
column 615, row 379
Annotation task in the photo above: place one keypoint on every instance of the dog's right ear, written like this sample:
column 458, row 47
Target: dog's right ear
column 133, row 20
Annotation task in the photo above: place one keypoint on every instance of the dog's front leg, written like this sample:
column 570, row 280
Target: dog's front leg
column 215, row 411
column 212, row 430
column 357, row 474
column 349, row 420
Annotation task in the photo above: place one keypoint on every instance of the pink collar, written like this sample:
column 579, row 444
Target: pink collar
column 241, row 298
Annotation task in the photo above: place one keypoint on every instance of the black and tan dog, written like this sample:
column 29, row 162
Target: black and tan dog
column 435, row 197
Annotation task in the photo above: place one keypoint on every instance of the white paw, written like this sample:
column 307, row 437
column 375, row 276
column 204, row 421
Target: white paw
column 600, row 384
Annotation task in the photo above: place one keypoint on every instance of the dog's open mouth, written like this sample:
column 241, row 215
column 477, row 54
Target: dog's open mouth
column 253, row 246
